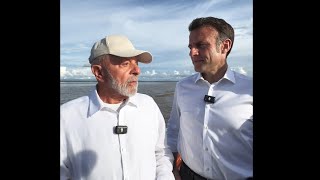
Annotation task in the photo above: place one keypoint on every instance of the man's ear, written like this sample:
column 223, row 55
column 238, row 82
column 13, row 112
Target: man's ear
column 96, row 71
column 226, row 45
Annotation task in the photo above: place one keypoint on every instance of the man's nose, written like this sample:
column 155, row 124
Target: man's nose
column 136, row 69
column 194, row 52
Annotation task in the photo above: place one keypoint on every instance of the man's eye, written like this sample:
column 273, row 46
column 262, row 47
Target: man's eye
column 203, row 46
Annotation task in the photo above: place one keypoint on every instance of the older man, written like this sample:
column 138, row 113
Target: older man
column 114, row 133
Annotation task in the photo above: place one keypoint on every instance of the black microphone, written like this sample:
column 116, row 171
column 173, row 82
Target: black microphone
column 120, row 129
column 209, row 99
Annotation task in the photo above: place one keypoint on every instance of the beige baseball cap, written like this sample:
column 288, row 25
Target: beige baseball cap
column 118, row 45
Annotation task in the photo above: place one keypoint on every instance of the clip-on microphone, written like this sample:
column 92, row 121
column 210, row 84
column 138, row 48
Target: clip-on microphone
column 120, row 129
column 209, row 99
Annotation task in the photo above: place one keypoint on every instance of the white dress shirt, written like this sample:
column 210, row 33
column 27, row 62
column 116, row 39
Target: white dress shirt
column 89, row 149
column 214, row 139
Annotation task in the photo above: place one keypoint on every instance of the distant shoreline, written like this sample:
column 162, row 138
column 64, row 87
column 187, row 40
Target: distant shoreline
column 80, row 80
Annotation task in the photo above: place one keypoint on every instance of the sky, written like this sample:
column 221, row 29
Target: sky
column 160, row 27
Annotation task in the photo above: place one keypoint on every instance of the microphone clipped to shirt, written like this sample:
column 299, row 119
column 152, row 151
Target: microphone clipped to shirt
column 208, row 99
column 120, row 129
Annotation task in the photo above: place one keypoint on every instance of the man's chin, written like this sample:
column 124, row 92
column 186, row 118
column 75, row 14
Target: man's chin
column 130, row 93
column 198, row 69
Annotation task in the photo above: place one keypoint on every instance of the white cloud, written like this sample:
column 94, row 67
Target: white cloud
column 160, row 27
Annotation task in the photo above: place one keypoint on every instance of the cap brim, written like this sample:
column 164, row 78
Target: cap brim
column 143, row 56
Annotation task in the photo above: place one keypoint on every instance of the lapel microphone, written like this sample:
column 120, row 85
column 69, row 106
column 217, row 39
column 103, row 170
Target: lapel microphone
column 120, row 129
column 209, row 99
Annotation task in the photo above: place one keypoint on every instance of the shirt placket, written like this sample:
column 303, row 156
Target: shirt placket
column 123, row 148
column 206, row 154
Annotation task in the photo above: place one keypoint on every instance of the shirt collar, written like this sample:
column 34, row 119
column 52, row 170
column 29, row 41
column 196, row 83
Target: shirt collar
column 229, row 75
column 96, row 104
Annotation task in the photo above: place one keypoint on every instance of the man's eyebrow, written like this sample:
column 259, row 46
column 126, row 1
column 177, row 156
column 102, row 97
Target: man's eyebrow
column 199, row 43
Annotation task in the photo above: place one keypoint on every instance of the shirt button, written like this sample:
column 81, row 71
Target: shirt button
column 207, row 169
column 205, row 126
column 206, row 149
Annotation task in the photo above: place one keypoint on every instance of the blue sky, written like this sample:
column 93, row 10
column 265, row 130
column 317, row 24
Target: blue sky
column 160, row 27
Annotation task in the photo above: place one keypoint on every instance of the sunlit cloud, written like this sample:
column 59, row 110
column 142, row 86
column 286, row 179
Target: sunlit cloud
column 160, row 27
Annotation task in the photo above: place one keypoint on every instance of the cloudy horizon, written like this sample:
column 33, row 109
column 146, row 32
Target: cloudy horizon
column 158, row 27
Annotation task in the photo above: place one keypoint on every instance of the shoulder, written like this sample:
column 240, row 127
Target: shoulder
column 242, row 78
column 144, row 100
column 188, row 80
column 243, row 83
column 74, row 104
column 73, row 111
column 143, row 97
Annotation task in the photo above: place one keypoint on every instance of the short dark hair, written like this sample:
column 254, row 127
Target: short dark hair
column 224, row 29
